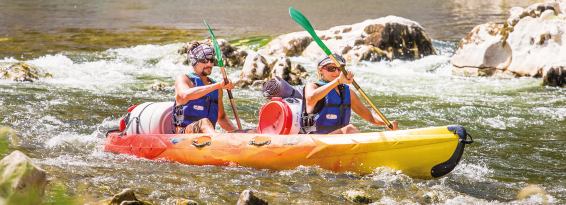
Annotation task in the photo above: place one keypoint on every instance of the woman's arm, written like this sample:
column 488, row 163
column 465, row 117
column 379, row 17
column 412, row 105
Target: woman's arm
column 359, row 108
column 314, row 94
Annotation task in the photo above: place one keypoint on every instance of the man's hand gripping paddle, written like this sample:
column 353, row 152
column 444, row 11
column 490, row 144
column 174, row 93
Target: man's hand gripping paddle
column 299, row 18
column 221, row 64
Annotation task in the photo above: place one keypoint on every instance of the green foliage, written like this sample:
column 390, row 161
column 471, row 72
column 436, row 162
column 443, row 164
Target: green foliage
column 3, row 147
column 59, row 196
column 6, row 134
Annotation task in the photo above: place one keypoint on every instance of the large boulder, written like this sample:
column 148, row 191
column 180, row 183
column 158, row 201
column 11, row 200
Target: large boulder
column 21, row 181
column 529, row 43
column 483, row 48
column 554, row 75
column 292, row 74
column 22, row 72
column 7, row 137
column 385, row 38
column 231, row 56
column 255, row 68
column 536, row 43
column 292, row 44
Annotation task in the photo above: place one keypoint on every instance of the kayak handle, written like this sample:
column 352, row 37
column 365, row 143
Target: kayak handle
column 252, row 142
column 201, row 145
column 467, row 141
column 114, row 130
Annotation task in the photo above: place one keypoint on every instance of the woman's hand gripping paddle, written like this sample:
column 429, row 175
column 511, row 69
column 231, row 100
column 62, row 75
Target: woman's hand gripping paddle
column 299, row 18
column 221, row 64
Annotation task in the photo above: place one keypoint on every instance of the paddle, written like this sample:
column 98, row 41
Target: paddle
column 299, row 18
column 221, row 64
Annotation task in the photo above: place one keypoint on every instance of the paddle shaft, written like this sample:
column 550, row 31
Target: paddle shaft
column 221, row 64
column 231, row 98
column 362, row 92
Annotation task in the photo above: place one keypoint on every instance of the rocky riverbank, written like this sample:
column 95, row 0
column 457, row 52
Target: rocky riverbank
column 529, row 43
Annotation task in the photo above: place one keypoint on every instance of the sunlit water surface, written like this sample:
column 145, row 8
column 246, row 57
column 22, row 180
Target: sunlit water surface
column 518, row 126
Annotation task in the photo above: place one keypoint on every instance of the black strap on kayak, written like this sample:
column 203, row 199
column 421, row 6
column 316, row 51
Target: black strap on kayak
column 137, row 119
column 129, row 123
column 192, row 118
column 468, row 141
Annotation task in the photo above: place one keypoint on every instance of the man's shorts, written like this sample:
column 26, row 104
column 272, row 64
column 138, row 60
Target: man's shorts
column 195, row 127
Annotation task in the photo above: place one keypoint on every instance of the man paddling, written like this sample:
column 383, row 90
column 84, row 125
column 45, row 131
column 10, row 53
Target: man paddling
column 198, row 98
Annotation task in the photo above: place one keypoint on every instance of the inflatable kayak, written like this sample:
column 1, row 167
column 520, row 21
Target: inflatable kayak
column 423, row 153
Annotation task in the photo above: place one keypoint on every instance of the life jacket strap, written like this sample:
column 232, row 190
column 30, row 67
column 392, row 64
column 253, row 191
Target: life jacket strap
column 308, row 125
column 339, row 105
column 180, row 119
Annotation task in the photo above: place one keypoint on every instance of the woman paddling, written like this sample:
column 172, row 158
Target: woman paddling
column 327, row 103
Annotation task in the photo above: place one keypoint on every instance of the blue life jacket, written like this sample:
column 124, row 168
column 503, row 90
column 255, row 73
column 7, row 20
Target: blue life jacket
column 204, row 107
column 329, row 114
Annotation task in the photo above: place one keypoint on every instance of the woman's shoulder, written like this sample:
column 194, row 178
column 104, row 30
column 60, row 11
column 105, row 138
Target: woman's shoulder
column 311, row 85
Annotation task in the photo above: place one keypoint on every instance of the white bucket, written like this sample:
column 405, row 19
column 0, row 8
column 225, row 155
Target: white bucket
column 154, row 118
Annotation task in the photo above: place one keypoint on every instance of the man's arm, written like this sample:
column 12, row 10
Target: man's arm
column 185, row 90
column 223, row 120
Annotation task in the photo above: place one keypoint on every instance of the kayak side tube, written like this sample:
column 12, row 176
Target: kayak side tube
column 449, row 165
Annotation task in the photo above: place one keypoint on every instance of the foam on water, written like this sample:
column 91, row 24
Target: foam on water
column 88, row 75
column 471, row 172
column 77, row 141
column 426, row 91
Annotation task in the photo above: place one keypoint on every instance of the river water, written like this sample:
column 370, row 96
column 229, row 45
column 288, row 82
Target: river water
column 103, row 55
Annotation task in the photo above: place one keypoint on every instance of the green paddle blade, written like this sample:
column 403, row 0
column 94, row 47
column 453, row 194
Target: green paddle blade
column 216, row 47
column 299, row 18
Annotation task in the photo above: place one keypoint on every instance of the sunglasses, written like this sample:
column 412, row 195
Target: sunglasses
column 330, row 68
column 206, row 60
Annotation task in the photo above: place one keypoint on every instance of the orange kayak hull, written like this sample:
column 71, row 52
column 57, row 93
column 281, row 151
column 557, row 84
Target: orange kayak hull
column 423, row 153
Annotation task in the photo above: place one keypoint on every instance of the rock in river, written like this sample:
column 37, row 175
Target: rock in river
column 255, row 68
column 127, row 196
column 22, row 72
column 385, row 38
column 231, row 56
column 529, row 43
column 21, row 181
column 248, row 198
column 292, row 74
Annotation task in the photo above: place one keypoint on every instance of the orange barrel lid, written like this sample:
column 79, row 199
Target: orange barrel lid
column 275, row 117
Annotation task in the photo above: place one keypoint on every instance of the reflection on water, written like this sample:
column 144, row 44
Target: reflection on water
column 30, row 27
